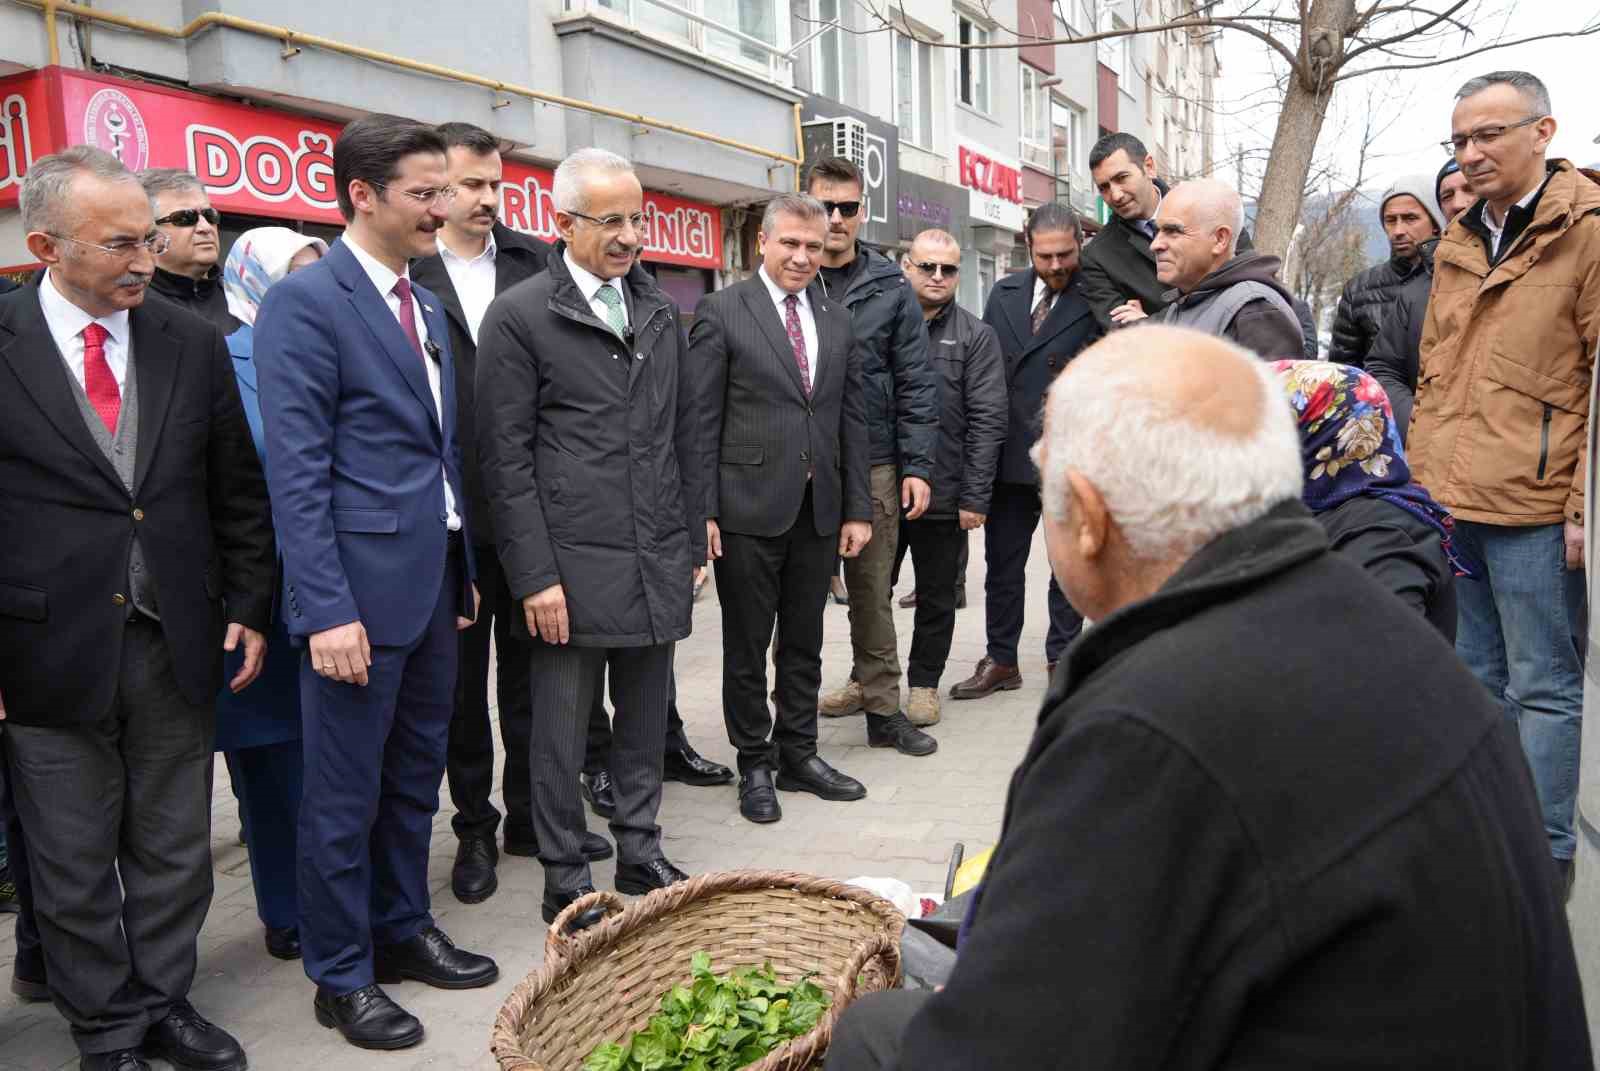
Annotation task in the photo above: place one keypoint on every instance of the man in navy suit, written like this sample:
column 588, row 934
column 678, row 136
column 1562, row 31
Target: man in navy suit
column 1043, row 320
column 358, row 395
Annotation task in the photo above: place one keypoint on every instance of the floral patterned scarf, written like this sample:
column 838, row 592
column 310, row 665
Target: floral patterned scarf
column 1350, row 449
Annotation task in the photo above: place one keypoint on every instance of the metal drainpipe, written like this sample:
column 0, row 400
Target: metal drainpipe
column 293, row 39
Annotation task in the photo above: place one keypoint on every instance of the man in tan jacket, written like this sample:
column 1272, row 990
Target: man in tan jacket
column 1499, row 429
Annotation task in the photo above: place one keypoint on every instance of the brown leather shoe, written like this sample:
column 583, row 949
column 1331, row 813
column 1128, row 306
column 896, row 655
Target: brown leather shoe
column 988, row 678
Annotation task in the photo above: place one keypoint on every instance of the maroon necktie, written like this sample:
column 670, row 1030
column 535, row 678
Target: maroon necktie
column 797, row 339
column 408, row 314
column 98, row 382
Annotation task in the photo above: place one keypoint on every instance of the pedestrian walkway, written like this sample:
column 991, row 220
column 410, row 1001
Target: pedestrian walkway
column 915, row 810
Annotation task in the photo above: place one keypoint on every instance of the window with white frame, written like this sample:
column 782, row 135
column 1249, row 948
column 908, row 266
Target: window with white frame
column 749, row 33
column 1125, row 67
column 913, row 90
column 1067, row 125
column 973, row 63
column 827, row 48
column 1035, row 118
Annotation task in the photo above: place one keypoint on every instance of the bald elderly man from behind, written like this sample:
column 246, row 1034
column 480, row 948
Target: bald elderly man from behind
column 1289, row 898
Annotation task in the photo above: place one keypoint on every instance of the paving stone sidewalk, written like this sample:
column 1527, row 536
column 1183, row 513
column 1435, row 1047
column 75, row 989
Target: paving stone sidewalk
column 916, row 809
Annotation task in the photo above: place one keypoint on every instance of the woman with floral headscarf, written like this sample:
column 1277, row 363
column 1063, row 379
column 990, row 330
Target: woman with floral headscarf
column 258, row 730
column 1359, row 486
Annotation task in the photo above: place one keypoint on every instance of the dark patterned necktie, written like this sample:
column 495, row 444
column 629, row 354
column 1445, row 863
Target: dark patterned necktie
column 797, row 339
column 1042, row 310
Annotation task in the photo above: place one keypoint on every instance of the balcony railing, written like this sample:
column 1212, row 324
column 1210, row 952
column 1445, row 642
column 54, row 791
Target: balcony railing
column 685, row 25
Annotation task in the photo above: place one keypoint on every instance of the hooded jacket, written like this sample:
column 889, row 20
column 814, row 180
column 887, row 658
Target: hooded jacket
column 897, row 379
column 1393, row 357
column 1502, row 401
column 1368, row 294
column 1260, row 324
column 204, row 296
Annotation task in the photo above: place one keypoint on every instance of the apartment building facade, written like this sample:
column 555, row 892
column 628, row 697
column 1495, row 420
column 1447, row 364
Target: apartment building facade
column 717, row 102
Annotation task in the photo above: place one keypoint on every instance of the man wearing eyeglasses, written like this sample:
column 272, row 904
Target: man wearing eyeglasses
column 188, row 273
column 135, row 547
column 1498, row 428
column 972, row 428
column 357, row 386
column 902, row 400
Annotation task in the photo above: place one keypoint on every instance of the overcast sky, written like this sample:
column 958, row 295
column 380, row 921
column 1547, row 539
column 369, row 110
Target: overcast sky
column 1413, row 107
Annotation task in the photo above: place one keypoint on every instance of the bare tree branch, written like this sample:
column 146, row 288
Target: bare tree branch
column 1587, row 31
column 1442, row 17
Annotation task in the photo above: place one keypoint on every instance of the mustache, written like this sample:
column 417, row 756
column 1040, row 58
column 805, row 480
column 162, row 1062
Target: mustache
column 133, row 278
column 621, row 249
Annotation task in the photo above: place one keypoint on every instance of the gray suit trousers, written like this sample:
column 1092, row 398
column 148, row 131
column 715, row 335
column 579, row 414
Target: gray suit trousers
column 128, row 796
column 564, row 682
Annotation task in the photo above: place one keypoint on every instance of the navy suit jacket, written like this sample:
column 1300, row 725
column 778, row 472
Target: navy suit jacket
column 1033, row 361
column 355, row 447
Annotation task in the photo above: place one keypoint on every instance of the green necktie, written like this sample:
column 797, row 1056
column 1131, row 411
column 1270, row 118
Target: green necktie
column 614, row 316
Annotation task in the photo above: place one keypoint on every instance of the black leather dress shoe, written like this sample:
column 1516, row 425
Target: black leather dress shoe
column 595, row 847
column 758, row 800
column 368, row 1019
column 125, row 1060
column 472, row 878
column 557, row 902
column 433, row 958
column 820, row 779
column 691, row 768
column 283, row 944
column 896, row 731
column 636, row 879
column 28, row 979
column 187, row 1041
column 597, row 790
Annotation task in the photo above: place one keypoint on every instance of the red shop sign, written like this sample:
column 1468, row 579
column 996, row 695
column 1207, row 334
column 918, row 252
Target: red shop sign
column 268, row 163
column 987, row 175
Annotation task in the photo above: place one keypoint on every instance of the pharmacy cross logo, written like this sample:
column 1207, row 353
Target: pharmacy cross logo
column 112, row 122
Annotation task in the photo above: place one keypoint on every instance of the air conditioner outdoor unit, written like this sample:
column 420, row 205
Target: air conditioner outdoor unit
column 850, row 140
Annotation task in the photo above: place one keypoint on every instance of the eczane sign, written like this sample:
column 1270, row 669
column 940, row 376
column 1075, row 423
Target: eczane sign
column 994, row 184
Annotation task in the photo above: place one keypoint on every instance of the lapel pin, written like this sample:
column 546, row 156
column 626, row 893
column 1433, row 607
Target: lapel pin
column 428, row 309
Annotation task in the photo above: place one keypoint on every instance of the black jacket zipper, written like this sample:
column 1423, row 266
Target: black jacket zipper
column 1544, row 441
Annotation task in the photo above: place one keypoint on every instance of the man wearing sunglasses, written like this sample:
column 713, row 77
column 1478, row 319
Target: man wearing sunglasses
column 902, row 401
column 188, row 273
column 1499, row 425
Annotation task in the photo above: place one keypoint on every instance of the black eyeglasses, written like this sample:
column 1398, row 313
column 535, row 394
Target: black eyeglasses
column 1484, row 135
column 189, row 217
column 928, row 267
column 846, row 209
column 615, row 222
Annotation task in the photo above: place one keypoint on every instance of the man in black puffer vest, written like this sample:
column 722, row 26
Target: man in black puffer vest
column 1410, row 217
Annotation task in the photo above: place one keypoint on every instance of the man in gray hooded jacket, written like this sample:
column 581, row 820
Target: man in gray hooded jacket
column 1410, row 217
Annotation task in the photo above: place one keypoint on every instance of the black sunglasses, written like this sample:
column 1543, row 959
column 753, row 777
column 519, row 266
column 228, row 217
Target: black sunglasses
column 846, row 209
column 929, row 267
column 188, row 217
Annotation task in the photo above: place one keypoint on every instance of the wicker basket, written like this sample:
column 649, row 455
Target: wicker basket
column 602, row 983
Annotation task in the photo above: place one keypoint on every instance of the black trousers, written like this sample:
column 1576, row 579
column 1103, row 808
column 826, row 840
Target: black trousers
column 904, row 547
column 27, row 930
column 784, row 579
column 1013, row 515
column 117, row 819
column 936, row 547
column 597, row 752
column 469, row 759
column 563, row 679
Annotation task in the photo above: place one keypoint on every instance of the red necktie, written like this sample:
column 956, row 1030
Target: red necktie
column 98, row 382
column 797, row 339
column 408, row 313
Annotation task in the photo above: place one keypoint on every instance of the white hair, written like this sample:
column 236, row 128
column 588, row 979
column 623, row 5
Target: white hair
column 1221, row 204
column 1170, row 483
column 567, row 189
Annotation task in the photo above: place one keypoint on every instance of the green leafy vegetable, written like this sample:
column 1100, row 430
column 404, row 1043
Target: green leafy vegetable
column 717, row 1022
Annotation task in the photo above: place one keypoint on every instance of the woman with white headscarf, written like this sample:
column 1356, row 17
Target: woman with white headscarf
column 258, row 730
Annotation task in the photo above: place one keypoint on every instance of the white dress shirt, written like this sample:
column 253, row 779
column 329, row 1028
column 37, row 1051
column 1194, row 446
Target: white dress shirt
column 66, row 322
column 384, row 280
column 589, row 286
column 474, row 281
column 808, row 322
column 1039, row 287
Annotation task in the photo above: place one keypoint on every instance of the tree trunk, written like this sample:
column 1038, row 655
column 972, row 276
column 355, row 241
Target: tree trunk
column 1305, row 106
